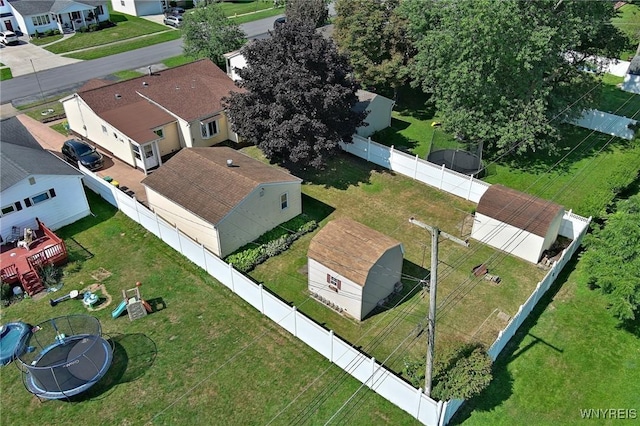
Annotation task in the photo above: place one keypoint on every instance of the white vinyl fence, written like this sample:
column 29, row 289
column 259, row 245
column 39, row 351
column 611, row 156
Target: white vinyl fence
column 357, row 364
column 609, row 124
column 416, row 168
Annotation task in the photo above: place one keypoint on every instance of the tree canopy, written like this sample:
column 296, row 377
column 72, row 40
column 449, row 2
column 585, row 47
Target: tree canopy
column 507, row 73
column 207, row 33
column 373, row 35
column 313, row 13
column 612, row 260
column 299, row 96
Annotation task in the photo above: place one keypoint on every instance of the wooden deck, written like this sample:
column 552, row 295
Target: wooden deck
column 20, row 265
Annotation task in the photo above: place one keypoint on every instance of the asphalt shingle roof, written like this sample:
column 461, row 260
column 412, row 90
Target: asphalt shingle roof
column 518, row 209
column 22, row 156
column 39, row 7
column 349, row 248
column 199, row 180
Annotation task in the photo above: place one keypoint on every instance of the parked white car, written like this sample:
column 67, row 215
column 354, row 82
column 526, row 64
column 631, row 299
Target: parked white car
column 8, row 37
column 173, row 20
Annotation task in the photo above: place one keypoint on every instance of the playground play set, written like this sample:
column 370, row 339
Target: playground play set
column 65, row 356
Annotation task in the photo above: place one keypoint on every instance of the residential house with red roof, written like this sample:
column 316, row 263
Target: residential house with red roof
column 149, row 118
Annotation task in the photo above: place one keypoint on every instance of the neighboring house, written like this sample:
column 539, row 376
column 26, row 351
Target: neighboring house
column 7, row 20
column 140, row 7
column 378, row 110
column 353, row 266
column 222, row 198
column 36, row 183
column 517, row 223
column 145, row 120
column 64, row 15
column 631, row 81
column 378, row 107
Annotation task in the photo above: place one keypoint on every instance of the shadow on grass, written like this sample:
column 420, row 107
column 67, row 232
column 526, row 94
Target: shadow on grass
column 315, row 209
column 501, row 387
column 341, row 172
column 392, row 136
column 101, row 211
column 409, row 289
column 133, row 356
column 415, row 103
column 117, row 17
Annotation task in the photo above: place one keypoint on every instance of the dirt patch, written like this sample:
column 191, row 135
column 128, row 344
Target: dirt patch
column 100, row 274
column 104, row 300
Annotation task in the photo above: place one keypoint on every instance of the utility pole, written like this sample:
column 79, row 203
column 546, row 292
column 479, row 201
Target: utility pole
column 433, row 283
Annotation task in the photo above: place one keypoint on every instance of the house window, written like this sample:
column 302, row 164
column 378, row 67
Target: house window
column 32, row 180
column 40, row 20
column 115, row 135
column 104, row 129
column 121, row 2
column 209, row 129
column 160, row 133
column 334, row 283
column 76, row 15
column 36, row 199
column 15, row 207
column 136, row 151
column 284, row 201
column 99, row 10
column 148, row 151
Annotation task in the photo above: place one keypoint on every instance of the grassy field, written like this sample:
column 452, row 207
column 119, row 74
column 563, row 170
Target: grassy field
column 239, row 8
column 569, row 355
column 127, row 26
column 125, row 46
column 61, row 128
column 206, row 354
column 628, row 20
column 258, row 15
column 41, row 41
column 5, row 74
column 385, row 201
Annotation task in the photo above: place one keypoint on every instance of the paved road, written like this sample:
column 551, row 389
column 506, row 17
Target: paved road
column 69, row 77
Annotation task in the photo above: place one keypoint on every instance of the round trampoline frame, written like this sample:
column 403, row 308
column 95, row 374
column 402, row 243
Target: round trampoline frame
column 65, row 356
column 460, row 161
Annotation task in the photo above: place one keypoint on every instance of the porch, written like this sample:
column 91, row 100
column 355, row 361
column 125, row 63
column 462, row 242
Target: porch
column 21, row 258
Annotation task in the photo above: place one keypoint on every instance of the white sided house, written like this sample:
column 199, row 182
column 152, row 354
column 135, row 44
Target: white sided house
column 631, row 81
column 378, row 109
column 353, row 266
column 517, row 223
column 38, row 16
column 143, row 121
column 140, row 7
column 222, row 198
column 35, row 183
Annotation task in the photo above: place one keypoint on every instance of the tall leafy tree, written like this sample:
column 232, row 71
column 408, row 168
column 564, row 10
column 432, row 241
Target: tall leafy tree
column 373, row 35
column 207, row 33
column 298, row 102
column 612, row 260
column 506, row 73
column 308, row 12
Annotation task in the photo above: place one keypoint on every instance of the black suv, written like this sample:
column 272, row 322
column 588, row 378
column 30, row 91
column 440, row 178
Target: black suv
column 75, row 150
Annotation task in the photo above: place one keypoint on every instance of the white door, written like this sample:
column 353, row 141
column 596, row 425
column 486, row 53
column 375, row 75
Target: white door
column 150, row 157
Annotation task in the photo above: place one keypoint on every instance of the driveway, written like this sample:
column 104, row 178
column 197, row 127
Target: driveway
column 27, row 58
column 52, row 141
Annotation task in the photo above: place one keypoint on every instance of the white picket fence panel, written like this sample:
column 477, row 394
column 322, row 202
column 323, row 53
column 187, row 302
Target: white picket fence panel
column 359, row 365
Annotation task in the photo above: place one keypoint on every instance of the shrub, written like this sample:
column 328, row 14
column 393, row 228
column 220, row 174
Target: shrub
column 5, row 292
column 271, row 243
column 38, row 34
column 50, row 275
column 48, row 33
column 94, row 27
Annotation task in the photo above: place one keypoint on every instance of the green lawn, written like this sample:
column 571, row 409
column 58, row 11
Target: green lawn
column 177, row 60
column 256, row 16
column 569, row 355
column 385, row 201
column 206, row 355
column 125, row 46
column 40, row 41
column 5, row 74
column 239, row 8
column 61, row 128
column 127, row 26
column 628, row 20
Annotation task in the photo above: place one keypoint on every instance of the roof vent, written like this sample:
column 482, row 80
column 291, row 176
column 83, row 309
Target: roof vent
column 229, row 163
column 118, row 96
column 144, row 83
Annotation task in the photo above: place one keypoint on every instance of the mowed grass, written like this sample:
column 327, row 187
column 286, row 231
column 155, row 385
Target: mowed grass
column 241, row 7
column 125, row 46
column 206, row 358
column 628, row 21
column 569, row 355
column 385, row 201
column 256, row 16
column 127, row 26
column 5, row 74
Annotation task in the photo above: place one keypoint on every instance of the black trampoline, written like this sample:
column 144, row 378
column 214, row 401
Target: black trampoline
column 464, row 162
column 65, row 356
